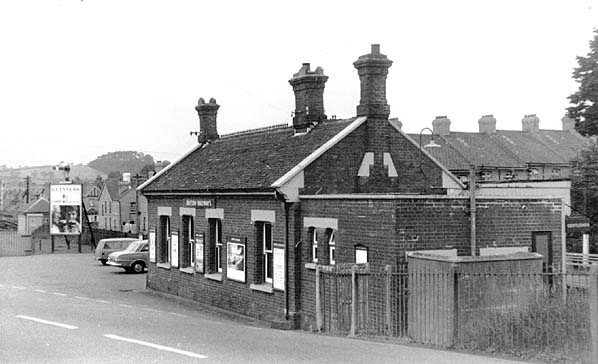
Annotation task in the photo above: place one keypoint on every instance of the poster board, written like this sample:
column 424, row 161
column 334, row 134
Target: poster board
column 199, row 252
column 65, row 209
column 361, row 254
column 174, row 249
column 278, row 278
column 152, row 244
column 235, row 259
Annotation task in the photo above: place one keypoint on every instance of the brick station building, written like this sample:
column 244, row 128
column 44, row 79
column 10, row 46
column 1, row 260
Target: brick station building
column 242, row 220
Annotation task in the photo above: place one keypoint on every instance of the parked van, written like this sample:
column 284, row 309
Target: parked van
column 107, row 246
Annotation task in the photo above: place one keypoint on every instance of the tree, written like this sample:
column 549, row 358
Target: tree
column 122, row 161
column 585, row 101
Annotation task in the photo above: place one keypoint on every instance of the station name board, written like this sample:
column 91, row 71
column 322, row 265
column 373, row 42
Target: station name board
column 199, row 203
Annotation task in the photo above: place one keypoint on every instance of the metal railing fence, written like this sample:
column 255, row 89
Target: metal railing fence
column 526, row 314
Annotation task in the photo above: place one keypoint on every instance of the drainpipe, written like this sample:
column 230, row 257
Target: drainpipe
column 285, row 206
column 472, row 208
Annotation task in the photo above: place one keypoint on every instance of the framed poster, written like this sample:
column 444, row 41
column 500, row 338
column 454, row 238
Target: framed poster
column 235, row 259
column 279, row 266
column 174, row 249
column 199, row 266
column 152, row 244
column 361, row 254
column 65, row 209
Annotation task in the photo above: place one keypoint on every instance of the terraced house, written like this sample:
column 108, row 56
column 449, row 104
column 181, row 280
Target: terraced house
column 242, row 221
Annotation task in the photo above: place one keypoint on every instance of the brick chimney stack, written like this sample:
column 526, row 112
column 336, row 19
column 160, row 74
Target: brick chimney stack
column 309, row 96
column 441, row 125
column 207, row 120
column 568, row 123
column 487, row 124
column 373, row 69
column 530, row 123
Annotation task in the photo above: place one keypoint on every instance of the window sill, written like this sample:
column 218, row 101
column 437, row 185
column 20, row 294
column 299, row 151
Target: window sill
column 163, row 265
column 214, row 276
column 264, row 287
column 187, row 270
column 311, row 266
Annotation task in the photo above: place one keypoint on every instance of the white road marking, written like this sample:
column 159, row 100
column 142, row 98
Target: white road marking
column 39, row 290
column 156, row 346
column 59, row 294
column 178, row 314
column 102, row 301
column 17, row 287
column 151, row 309
column 123, row 305
column 81, row 298
column 65, row 326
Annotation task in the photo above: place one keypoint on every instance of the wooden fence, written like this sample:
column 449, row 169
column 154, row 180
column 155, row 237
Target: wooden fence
column 13, row 244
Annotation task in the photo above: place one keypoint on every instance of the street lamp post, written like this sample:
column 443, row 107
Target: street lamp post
column 431, row 144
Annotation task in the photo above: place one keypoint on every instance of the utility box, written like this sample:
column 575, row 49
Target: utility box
column 444, row 292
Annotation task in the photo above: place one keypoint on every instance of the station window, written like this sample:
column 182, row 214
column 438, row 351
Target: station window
column 187, row 256
column 314, row 244
column 215, row 262
column 332, row 247
column 164, row 240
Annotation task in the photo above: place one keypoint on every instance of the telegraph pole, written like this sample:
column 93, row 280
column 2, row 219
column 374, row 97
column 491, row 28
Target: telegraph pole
column 137, row 176
column 472, row 208
column 27, row 184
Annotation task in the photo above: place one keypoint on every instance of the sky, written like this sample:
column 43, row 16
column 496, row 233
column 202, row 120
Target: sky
column 79, row 79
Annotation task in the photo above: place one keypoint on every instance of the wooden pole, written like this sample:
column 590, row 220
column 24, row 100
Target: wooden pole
column 593, row 297
column 472, row 208
column 318, row 299
column 388, row 316
column 353, row 300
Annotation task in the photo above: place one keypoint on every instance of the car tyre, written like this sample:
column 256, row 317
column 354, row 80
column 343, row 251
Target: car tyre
column 104, row 261
column 137, row 267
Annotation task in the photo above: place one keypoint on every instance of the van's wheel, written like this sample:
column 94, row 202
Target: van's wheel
column 137, row 267
column 104, row 261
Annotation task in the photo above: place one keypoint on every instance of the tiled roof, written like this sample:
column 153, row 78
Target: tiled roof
column 504, row 148
column 252, row 160
column 112, row 187
column 40, row 206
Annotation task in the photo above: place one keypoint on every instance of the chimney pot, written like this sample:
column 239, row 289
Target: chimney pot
column 441, row 125
column 373, row 69
column 530, row 123
column 207, row 113
column 308, row 87
column 568, row 123
column 487, row 124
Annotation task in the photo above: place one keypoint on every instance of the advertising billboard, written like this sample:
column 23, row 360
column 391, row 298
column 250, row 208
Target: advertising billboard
column 65, row 209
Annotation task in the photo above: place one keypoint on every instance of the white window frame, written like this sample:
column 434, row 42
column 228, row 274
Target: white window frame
column 189, row 241
column 218, row 250
column 332, row 248
column 486, row 175
column 314, row 245
column 267, row 253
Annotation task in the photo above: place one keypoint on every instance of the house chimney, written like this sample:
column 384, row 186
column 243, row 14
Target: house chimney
column 207, row 120
column 487, row 124
column 568, row 123
column 373, row 69
column 530, row 123
column 309, row 97
column 441, row 125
